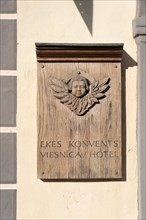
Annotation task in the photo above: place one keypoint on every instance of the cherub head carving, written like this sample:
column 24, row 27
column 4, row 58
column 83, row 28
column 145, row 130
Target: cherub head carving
column 78, row 86
column 78, row 93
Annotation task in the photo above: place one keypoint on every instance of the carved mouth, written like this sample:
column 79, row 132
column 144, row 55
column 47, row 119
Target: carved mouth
column 79, row 94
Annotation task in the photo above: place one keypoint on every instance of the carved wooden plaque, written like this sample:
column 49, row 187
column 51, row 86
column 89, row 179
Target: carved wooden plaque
column 79, row 111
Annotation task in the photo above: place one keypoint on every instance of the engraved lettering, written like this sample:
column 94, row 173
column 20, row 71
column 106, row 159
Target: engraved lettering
column 105, row 153
column 98, row 144
column 78, row 144
column 43, row 144
column 93, row 154
column 103, row 144
column 53, row 143
column 71, row 143
column 91, row 143
column 51, row 154
column 116, row 143
column 109, row 141
column 63, row 154
column 58, row 143
column 50, row 144
column 71, row 154
column 85, row 143
column 43, row 154
column 100, row 154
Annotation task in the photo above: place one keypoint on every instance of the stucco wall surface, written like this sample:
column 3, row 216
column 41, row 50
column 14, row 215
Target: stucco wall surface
column 60, row 21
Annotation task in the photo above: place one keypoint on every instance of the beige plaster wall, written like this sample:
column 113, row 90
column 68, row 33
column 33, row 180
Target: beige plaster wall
column 60, row 21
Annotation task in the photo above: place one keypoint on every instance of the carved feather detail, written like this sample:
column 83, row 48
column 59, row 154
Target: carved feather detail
column 79, row 105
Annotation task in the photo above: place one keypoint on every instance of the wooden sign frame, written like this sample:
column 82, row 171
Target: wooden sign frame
column 80, row 114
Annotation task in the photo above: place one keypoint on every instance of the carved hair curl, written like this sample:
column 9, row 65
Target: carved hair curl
column 78, row 78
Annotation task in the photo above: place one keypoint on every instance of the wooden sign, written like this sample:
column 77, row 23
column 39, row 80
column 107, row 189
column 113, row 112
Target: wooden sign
column 79, row 111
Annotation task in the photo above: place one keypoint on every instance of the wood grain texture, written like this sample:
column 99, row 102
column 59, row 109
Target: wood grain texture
column 79, row 147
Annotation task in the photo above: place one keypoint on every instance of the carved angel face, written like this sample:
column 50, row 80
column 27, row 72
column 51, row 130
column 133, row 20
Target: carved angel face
column 78, row 88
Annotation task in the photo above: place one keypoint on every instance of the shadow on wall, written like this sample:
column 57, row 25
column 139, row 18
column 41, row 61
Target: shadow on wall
column 127, row 61
column 85, row 8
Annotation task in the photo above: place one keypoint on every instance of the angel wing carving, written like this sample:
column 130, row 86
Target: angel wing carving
column 79, row 99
